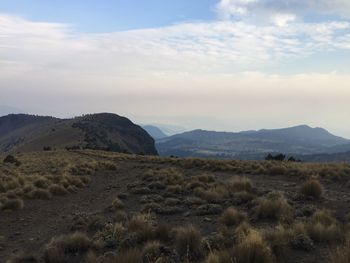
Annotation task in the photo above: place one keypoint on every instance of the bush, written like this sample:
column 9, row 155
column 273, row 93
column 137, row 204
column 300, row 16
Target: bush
column 240, row 184
column 232, row 217
column 117, row 204
column 188, row 240
column 12, row 204
column 279, row 239
column 56, row 189
column 252, row 249
column 39, row 194
column 273, row 206
column 323, row 227
column 58, row 247
column 41, row 183
column 312, row 188
column 277, row 170
column 11, row 159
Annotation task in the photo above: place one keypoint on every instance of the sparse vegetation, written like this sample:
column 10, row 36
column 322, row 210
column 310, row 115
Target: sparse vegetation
column 174, row 210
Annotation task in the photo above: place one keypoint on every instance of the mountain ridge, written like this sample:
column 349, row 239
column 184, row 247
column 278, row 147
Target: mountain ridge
column 301, row 139
column 103, row 131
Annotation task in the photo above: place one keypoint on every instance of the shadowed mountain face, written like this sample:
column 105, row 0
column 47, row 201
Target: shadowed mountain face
column 250, row 144
column 154, row 131
column 20, row 132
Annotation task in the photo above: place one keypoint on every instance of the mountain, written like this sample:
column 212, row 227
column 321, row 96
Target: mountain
column 104, row 131
column 249, row 144
column 154, row 131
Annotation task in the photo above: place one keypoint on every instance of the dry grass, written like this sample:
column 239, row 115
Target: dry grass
column 117, row 204
column 59, row 247
column 252, row 249
column 274, row 206
column 232, row 217
column 57, row 189
column 41, row 194
column 312, row 188
column 240, row 184
column 188, row 240
column 323, row 227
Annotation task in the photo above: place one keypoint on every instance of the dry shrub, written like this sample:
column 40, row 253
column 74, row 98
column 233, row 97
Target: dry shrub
column 12, row 204
column 277, row 170
column 252, row 249
column 168, row 176
column 212, row 195
column 42, row 182
column 42, row 194
column 151, row 252
column 274, row 206
column 240, row 184
column 323, row 227
column 175, row 189
column 59, row 247
column 232, row 217
column 188, row 240
column 117, row 204
column 279, row 239
column 56, row 189
column 206, row 178
column 312, row 188
column 141, row 225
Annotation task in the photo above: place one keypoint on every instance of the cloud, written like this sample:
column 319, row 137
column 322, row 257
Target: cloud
column 260, row 9
column 180, row 72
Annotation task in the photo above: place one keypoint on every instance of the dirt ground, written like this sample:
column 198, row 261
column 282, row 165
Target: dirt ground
column 30, row 228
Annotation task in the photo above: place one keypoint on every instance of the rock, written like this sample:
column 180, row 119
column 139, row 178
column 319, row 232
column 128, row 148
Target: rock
column 187, row 214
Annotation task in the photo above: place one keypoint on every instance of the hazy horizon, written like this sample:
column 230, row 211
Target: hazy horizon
column 227, row 65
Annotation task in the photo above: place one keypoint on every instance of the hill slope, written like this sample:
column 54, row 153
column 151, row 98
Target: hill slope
column 20, row 132
column 295, row 140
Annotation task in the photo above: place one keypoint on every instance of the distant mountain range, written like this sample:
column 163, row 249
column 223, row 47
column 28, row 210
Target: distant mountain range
column 154, row 131
column 105, row 131
column 298, row 140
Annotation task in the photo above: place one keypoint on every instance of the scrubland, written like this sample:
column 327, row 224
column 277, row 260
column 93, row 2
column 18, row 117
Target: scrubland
column 91, row 206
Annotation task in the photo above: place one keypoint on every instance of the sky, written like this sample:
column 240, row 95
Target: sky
column 213, row 64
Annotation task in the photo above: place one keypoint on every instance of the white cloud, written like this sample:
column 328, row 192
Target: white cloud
column 282, row 20
column 260, row 9
column 179, row 72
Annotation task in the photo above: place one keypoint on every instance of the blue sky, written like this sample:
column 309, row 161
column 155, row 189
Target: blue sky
column 109, row 15
column 213, row 64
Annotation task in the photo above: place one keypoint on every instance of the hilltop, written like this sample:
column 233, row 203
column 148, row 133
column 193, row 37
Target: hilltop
column 104, row 131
